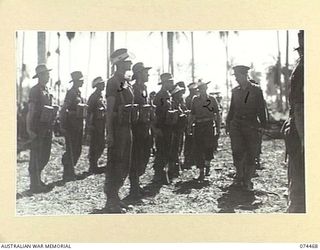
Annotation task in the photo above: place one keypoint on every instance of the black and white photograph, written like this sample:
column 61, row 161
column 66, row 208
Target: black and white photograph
column 160, row 122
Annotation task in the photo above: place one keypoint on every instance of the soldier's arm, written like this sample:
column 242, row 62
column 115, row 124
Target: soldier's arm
column 230, row 113
column 262, row 109
column 89, row 119
column 29, row 119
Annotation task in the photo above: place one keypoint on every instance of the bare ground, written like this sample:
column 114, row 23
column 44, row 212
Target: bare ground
column 184, row 195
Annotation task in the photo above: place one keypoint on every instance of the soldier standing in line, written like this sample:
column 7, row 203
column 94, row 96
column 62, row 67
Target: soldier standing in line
column 95, row 125
column 72, row 114
column 39, row 127
column 203, row 109
column 162, row 130
column 142, row 141
column 177, row 130
column 294, row 135
column 119, row 118
column 188, row 146
column 247, row 104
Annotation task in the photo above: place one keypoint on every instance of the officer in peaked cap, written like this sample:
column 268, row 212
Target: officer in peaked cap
column 205, row 112
column 39, row 128
column 245, row 119
column 120, row 99
column 95, row 124
column 161, row 130
column 71, row 117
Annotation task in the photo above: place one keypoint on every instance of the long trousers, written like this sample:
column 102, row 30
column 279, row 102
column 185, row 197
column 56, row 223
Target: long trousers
column 245, row 145
column 39, row 156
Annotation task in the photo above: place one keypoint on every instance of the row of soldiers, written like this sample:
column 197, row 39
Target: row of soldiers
column 127, row 122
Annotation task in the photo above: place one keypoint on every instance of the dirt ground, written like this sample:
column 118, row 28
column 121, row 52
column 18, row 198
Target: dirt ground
column 184, row 195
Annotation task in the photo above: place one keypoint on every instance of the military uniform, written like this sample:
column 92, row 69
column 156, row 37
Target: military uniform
column 295, row 138
column 203, row 110
column 120, row 153
column 73, row 125
column 246, row 106
column 41, row 144
column 188, row 145
column 142, row 141
column 162, row 101
column 96, row 126
column 177, row 133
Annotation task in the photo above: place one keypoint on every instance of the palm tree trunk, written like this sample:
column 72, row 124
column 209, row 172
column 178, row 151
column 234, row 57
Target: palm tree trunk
column 112, row 49
column 170, row 50
column 286, row 76
column 279, row 74
column 227, row 66
column 192, row 57
column 41, row 47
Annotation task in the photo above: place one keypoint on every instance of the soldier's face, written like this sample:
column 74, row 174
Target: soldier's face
column 145, row 75
column 240, row 78
column 44, row 77
column 101, row 86
column 203, row 89
column 79, row 83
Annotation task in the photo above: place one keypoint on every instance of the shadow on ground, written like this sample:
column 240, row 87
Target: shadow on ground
column 236, row 198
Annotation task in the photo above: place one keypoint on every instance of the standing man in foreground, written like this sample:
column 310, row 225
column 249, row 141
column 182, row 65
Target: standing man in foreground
column 294, row 135
column 72, row 114
column 120, row 98
column 39, row 127
column 247, row 104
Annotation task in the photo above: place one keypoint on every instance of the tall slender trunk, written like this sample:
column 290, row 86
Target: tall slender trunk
column 89, row 62
column 162, row 52
column 108, row 56
column 112, row 49
column 170, row 50
column 23, row 68
column 279, row 74
column 192, row 57
column 59, row 80
column 286, row 76
column 227, row 66
column 41, row 47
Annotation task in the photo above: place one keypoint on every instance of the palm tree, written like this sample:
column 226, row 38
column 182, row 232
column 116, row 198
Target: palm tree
column 192, row 57
column 70, row 36
column 41, row 47
column 224, row 36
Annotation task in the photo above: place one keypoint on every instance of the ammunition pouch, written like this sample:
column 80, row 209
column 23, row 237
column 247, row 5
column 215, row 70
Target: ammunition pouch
column 48, row 114
column 82, row 111
column 145, row 113
column 128, row 114
column 172, row 117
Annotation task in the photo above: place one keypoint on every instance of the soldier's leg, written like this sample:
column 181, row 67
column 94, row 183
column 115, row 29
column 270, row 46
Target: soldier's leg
column 296, row 188
column 77, row 146
column 34, row 163
column 160, row 159
column 299, row 120
column 253, row 146
column 238, row 151
column 44, row 152
column 68, row 156
column 199, row 150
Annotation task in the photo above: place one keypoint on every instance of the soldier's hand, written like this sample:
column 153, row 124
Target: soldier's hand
column 109, row 140
column 261, row 130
